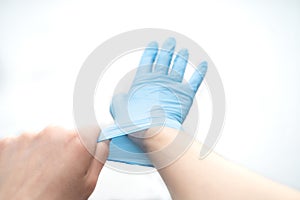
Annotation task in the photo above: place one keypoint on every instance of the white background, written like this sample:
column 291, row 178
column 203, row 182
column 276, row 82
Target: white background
column 254, row 44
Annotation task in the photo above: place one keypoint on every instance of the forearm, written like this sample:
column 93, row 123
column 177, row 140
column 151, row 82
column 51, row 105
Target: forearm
column 213, row 177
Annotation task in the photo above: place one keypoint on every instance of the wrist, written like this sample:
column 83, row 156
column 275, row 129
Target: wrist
column 163, row 145
column 155, row 138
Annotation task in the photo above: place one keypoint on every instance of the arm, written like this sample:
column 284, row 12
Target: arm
column 187, row 177
column 213, row 177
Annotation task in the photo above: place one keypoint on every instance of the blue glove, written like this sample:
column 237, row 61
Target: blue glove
column 158, row 97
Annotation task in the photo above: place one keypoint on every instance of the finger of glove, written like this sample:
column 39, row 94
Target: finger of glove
column 197, row 77
column 148, row 58
column 165, row 56
column 180, row 62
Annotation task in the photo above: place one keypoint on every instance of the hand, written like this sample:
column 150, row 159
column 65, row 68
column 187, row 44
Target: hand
column 50, row 165
column 158, row 97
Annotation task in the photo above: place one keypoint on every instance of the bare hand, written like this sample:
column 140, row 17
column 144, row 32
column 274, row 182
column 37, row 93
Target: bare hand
column 53, row 164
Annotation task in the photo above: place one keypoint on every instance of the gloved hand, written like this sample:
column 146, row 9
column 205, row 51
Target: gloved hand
column 158, row 97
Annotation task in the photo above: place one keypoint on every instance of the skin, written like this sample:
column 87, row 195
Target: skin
column 58, row 164
column 52, row 164
column 55, row 164
column 211, row 178
column 187, row 176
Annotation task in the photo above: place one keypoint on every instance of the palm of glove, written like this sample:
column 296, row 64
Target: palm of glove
column 152, row 99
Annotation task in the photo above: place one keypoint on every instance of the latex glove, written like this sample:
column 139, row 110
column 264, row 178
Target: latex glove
column 158, row 97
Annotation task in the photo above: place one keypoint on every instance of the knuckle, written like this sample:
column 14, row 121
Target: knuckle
column 47, row 131
column 6, row 142
column 61, row 135
column 52, row 129
column 54, row 132
column 26, row 136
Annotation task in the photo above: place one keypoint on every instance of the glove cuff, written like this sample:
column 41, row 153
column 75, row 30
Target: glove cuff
column 116, row 130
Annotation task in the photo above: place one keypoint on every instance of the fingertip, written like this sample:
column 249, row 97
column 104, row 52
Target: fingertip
column 202, row 68
column 153, row 44
column 171, row 40
column 170, row 43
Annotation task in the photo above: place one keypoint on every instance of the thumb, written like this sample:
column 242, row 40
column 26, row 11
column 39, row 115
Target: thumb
column 118, row 104
column 99, row 160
